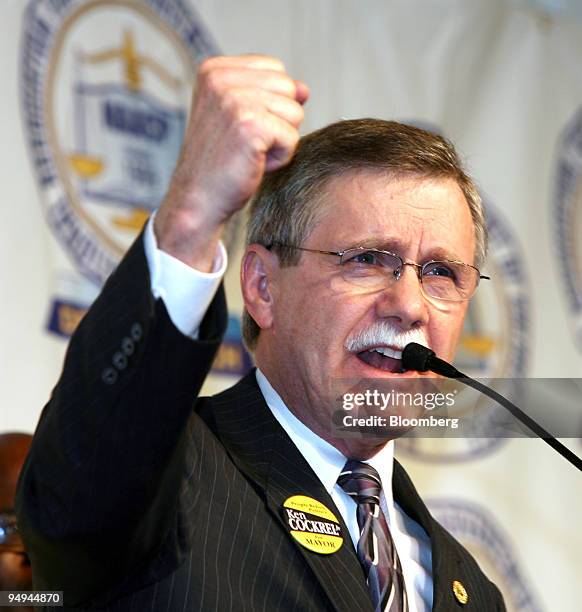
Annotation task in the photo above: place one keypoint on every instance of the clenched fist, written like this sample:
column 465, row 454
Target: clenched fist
column 244, row 122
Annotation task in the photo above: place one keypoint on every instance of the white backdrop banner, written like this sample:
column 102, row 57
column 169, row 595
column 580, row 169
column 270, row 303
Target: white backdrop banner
column 95, row 98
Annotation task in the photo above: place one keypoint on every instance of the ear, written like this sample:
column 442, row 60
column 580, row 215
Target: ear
column 258, row 272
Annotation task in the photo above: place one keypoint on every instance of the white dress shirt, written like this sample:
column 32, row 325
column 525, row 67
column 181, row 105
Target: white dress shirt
column 187, row 293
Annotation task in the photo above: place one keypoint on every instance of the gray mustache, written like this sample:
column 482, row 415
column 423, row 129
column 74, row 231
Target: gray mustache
column 384, row 333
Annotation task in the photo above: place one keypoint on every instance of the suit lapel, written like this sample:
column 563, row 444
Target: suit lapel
column 264, row 453
column 339, row 573
column 446, row 562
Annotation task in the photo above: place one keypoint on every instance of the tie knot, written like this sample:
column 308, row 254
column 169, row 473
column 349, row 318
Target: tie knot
column 361, row 481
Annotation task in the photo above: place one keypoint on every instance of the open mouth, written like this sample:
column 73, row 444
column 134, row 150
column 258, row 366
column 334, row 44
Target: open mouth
column 383, row 358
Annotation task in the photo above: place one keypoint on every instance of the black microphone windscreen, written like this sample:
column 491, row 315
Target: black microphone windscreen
column 416, row 357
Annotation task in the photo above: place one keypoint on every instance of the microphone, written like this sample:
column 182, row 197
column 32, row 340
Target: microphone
column 422, row 359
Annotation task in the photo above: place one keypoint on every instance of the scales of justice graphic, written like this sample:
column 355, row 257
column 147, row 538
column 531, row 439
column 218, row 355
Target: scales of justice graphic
column 126, row 139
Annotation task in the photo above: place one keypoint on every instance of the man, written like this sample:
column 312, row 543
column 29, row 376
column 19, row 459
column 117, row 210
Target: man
column 135, row 497
column 15, row 571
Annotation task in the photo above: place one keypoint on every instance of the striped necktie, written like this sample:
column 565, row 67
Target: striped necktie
column 376, row 550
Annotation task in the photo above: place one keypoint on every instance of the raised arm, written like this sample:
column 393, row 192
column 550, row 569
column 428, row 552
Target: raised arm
column 99, row 489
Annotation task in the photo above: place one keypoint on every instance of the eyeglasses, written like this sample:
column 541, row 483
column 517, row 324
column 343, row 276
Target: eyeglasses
column 452, row 281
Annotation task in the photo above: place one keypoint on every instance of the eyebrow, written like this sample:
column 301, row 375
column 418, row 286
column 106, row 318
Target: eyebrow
column 382, row 244
column 393, row 245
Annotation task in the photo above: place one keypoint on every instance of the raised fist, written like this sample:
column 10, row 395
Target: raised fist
column 244, row 122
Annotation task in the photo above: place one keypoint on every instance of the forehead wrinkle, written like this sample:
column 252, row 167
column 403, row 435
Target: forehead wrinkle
column 418, row 223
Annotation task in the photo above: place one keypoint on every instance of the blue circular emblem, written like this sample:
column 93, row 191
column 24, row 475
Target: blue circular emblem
column 479, row 532
column 105, row 116
column 568, row 218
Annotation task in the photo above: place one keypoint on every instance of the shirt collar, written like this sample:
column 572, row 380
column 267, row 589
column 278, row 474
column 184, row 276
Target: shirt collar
column 325, row 460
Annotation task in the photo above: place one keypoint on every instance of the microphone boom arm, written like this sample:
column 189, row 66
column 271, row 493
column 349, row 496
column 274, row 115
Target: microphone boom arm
column 420, row 358
column 545, row 435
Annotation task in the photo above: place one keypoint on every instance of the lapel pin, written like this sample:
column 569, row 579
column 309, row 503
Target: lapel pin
column 313, row 525
column 460, row 592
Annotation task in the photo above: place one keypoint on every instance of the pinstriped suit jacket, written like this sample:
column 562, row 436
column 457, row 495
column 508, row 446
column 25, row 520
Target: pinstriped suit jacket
column 136, row 496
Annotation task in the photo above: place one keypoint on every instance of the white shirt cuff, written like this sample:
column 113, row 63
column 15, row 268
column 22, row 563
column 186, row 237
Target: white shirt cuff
column 186, row 292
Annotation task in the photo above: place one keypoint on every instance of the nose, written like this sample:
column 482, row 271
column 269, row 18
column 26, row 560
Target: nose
column 403, row 300
column 416, row 267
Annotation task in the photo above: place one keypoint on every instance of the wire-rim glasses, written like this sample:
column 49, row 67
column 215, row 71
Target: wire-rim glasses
column 374, row 269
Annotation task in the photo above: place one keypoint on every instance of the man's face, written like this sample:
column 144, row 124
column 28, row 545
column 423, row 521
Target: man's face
column 317, row 313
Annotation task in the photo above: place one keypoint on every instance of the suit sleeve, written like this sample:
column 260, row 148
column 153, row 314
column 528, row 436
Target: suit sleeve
column 99, row 489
